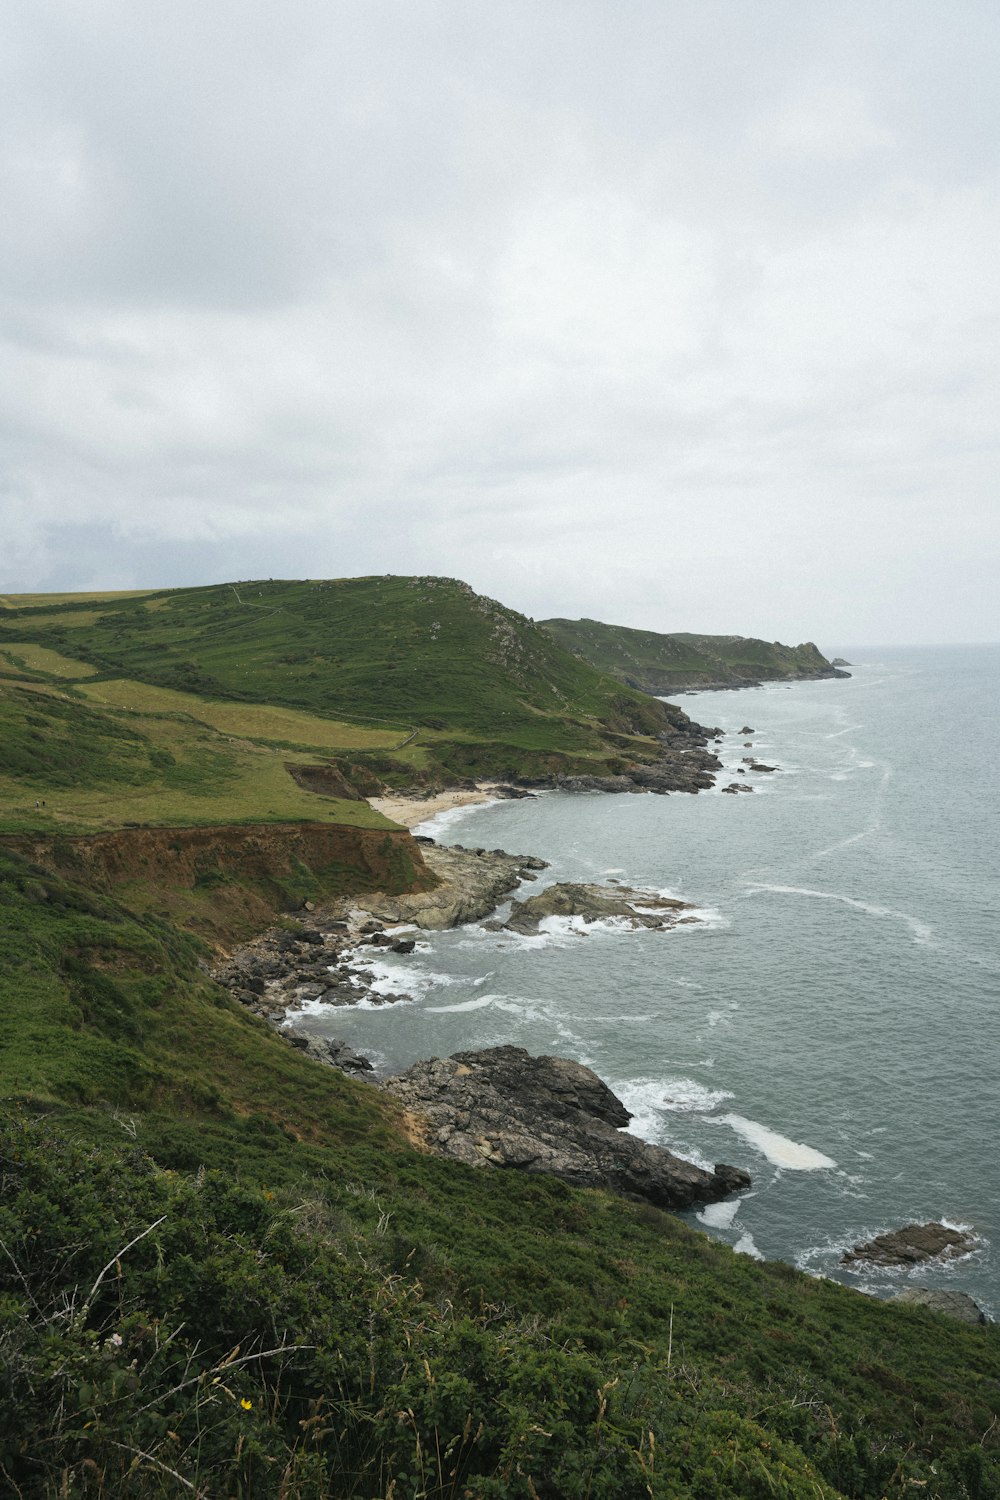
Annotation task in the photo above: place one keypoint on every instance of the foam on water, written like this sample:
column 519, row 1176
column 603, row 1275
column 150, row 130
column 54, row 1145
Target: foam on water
column 745, row 1246
column 719, row 1215
column 922, row 931
column 406, row 979
column 439, row 821
column 651, row 1101
column 481, row 1002
column 778, row 1149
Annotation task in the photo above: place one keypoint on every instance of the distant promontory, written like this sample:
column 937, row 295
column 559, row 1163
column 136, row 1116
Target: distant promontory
column 667, row 664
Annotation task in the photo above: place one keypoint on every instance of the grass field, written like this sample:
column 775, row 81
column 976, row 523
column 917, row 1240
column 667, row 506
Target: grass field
column 43, row 659
column 418, row 677
column 31, row 601
column 97, row 768
column 252, row 721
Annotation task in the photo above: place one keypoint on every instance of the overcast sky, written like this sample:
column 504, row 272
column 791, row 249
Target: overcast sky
column 684, row 316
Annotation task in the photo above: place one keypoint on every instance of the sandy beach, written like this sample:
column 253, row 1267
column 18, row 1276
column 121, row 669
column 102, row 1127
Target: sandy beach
column 409, row 811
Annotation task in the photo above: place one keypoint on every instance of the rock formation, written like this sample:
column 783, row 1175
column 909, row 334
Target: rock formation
column 503, row 1108
column 952, row 1304
column 912, row 1245
column 595, row 903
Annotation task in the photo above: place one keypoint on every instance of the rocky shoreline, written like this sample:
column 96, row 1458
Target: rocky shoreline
column 499, row 1107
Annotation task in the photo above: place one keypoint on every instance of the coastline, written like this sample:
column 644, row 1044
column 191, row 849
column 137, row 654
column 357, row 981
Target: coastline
column 409, row 812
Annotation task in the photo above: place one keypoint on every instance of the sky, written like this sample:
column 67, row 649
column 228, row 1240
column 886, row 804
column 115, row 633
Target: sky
column 683, row 316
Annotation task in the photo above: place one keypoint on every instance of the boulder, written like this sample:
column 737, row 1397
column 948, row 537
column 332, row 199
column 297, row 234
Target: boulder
column 912, row 1245
column 501, row 1107
column 594, row 903
column 327, row 1050
column 952, row 1304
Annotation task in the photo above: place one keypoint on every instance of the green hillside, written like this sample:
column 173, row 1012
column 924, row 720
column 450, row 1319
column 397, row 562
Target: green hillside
column 224, row 1271
column 661, row 664
column 442, row 679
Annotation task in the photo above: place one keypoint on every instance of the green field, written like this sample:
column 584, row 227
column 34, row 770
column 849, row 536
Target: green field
column 97, row 767
column 414, row 680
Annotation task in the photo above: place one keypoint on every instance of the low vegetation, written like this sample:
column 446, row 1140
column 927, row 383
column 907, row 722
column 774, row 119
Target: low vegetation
column 225, row 1271
column 659, row 663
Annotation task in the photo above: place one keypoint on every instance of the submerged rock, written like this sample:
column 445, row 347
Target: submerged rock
column 595, row 903
column 501, row 1107
column 912, row 1245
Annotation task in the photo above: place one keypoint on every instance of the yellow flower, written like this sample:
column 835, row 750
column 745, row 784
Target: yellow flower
column 246, row 1405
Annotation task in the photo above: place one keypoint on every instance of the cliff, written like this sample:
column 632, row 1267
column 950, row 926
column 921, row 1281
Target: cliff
column 231, row 879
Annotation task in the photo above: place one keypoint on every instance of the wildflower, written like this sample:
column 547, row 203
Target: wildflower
column 246, row 1405
column 115, row 1340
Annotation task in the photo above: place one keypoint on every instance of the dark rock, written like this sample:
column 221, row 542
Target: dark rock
column 311, row 936
column 594, row 903
column 423, row 838
column 747, row 730
column 503, row 1108
column 912, row 1245
column 952, row 1304
column 404, row 945
column 327, row 1050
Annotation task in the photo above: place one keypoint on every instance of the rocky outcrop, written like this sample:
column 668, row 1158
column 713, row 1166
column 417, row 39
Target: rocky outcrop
column 471, row 884
column 596, row 903
column 912, row 1245
column 327, row 1050
column 952, row 1304
column 688, row 769
column 503, row 1108
column 325, row 954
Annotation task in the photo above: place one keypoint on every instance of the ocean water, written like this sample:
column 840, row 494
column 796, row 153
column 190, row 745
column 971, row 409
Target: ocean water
column 831, row 1021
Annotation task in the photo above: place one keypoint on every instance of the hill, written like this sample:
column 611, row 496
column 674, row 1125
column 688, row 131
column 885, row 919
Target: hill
column 665, row 664
column 227, row 1271
column 417, row 678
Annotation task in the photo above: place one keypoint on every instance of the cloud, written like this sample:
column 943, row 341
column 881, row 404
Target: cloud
column 651, row 314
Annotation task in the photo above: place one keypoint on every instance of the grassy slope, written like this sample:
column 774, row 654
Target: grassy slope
column 663, row 663
column 459, row 1333
column 169, row 760
column 396, row 653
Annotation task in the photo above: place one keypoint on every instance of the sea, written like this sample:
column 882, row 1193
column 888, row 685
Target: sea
column 831, row 1021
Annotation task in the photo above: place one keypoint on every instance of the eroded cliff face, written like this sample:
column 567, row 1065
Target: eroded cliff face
column 227, row 880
